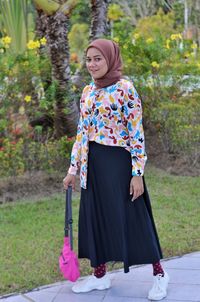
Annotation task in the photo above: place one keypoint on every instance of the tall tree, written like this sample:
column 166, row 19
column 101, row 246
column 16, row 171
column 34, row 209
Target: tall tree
column 197, row 19
column 99, row 27
column 136, row 9
column 192, row 20
column 56, row 16
column 186, row 15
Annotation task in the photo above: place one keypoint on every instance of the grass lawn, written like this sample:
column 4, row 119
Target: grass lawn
column 31, row 233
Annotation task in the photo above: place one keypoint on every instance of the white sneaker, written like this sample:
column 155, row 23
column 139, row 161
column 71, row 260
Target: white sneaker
column 159, row 289
column 91, row 283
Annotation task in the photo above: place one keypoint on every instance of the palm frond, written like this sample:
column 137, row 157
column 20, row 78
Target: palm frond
column 14, row 20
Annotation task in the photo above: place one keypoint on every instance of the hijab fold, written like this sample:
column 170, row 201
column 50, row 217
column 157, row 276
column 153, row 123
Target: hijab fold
column 110, row 51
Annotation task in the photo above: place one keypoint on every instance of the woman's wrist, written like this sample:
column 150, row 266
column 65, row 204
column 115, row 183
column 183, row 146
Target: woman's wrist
column 72, row 170
column 71, row 174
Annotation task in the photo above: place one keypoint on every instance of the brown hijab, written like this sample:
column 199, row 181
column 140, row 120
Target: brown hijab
column 110, row 51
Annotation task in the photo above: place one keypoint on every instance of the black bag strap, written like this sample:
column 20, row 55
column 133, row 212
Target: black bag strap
column 68, row 216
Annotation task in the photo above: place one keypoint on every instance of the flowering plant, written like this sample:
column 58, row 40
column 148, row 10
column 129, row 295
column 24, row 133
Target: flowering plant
column 164, row 67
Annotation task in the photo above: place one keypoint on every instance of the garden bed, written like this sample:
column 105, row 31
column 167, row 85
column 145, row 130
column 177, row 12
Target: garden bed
column 33, row 185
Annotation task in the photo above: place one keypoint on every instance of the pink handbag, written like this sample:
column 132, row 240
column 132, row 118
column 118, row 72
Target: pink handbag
column 68, row 261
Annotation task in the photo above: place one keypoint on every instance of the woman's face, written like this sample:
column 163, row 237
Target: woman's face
column 96, row 63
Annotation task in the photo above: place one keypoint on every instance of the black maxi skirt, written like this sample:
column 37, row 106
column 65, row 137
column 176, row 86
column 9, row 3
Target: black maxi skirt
column 111, row 226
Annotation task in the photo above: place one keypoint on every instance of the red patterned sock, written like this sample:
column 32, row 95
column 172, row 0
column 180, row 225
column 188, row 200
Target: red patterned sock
column 157, row 269
column 100, row 271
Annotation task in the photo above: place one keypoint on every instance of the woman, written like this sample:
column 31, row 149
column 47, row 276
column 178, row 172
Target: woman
column 115, row 218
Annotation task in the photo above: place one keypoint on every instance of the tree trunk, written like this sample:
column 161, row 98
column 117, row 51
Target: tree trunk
column 99, row 26
column 57, row 32
column 53, row 17
column 186, row 13
column 40, row 24
column 98, row 29
column 197, row 20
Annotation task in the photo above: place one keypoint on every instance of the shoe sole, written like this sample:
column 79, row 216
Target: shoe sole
column 157, row 299
column 89, row 290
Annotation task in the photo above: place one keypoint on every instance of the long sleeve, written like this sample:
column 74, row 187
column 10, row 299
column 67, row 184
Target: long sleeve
column 76, row 150
column 133, row 116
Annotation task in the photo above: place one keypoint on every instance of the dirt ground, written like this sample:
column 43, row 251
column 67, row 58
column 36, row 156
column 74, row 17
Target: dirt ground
column 39, row 184
column 31, row 186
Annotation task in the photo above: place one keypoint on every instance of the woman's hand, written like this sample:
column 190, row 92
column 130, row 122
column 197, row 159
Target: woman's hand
column 136, row 187
column 69, row 180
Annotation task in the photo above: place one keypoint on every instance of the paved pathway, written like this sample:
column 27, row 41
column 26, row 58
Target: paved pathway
column 184, row 285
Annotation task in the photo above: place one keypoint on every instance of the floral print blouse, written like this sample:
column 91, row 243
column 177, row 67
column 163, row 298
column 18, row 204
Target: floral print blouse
column 109, row 116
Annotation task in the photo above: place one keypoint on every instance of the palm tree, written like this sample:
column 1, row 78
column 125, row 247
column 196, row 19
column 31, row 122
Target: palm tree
column 56, row 16
column 55, row 20
column 98, row 28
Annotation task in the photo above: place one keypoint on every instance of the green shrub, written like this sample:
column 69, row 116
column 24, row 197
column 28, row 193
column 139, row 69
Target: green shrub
column 165, row 70
column 18, row 157
column 179, row 127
